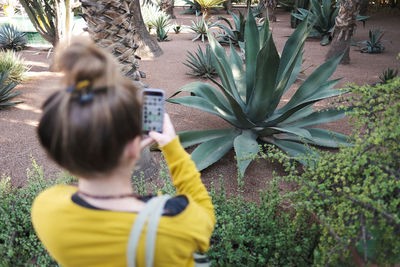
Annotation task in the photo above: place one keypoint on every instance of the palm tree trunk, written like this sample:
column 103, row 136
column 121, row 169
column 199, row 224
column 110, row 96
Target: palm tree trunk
column 345, row 24
column 118, row 27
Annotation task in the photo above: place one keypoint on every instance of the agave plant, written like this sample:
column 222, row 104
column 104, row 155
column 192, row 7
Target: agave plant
column 232, row 35
column 207, row 5
column 200, row 27
column 322, row 16
column 11, row 38
column 374, row 44
column 388, row 75
column 162, row 35
column 201, row 63
column 249, row 96
column 5, row 91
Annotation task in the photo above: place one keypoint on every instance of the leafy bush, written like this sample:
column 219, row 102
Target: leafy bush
column 11, row 38
column 200, row 27
column 264, row 234
column 13, row 64
column 5, row 92
column 250, row 97
column 201, row 63
column 374, row 44
column 355, row 193
column 19, row 245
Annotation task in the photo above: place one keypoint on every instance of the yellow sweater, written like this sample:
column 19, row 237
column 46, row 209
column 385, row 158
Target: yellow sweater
column 79, row 236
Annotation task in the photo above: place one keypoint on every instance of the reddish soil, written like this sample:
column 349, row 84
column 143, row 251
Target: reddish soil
column 18, row 124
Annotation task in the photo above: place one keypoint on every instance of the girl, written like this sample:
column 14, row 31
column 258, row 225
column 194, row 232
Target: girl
column 92, row 128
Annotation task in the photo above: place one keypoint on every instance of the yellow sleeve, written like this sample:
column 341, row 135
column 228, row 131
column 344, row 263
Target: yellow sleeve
column 186, row 177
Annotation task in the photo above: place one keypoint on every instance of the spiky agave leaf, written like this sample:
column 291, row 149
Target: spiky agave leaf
column 248, row 96
column 201, row 63
column 6, row 93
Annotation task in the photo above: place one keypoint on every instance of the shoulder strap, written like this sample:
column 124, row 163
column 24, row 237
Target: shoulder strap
column 152, row 212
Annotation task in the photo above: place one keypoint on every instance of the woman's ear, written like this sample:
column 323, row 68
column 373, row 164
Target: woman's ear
column 132, row 149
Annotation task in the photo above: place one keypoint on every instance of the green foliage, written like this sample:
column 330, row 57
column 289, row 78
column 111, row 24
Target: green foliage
column 374, row 44
column 43, row 15
column 11, row 38
column 6, row 93
column 154, row 17
column 322, row 17
column 161, row 24
column 194, row 7
column 250, row 97
column 19, row 245
column 355, row 194
column 232, row 35
column 200, row 27
column 264, row 234
column 201, row 63
column 388, row 75
column 12, row 63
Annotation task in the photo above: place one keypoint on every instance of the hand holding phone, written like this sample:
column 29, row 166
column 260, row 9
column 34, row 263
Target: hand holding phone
column 153, row 110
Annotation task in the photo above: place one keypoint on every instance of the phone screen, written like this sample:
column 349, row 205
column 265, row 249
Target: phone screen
column 153, row 110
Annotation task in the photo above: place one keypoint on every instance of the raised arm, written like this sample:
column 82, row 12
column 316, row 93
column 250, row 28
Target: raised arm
column 185, row 176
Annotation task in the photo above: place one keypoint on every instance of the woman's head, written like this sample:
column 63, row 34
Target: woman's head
column 86, row 125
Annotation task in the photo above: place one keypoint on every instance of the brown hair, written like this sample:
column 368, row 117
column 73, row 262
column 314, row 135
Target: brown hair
column 87, row 137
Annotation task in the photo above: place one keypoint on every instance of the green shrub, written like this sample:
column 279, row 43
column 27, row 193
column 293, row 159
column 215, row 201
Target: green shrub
column 264, row 234
column 355, row 194
column 19, row 245
column 12, row 63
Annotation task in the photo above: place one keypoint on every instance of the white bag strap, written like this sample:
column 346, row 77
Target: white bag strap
column 151, row 213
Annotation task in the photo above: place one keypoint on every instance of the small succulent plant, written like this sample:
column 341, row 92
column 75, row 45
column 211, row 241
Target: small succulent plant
column 177, row 28
column 11, row 38
column 201, row 63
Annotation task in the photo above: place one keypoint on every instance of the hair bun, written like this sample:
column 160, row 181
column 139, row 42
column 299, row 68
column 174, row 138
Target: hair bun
column 83, row 60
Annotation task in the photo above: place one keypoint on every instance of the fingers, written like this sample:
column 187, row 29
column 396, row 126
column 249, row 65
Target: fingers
column 146, row 142
column 168, row 132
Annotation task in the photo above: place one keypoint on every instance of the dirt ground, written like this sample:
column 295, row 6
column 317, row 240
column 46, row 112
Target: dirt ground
column 18, row 124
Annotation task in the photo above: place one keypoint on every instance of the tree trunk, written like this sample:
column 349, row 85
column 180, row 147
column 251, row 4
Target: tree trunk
column 345, row 24
column 228, row 6
column 364, row 7
column 168, row 7
column 148, row 46
column 118, row 27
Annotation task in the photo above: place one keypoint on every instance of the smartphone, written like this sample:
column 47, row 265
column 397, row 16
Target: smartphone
column 153, row 110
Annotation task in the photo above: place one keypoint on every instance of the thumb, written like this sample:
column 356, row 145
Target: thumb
column 158, row 137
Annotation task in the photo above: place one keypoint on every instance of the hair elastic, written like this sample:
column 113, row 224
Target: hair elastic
column 81, row 91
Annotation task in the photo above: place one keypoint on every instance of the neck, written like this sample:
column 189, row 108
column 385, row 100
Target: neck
column 116, row 183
